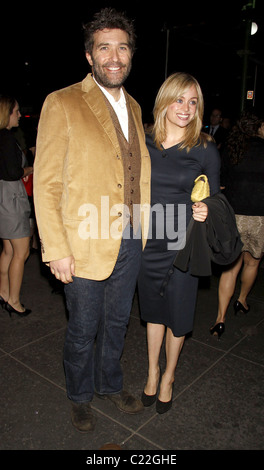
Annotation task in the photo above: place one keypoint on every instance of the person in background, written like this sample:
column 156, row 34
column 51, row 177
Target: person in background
column 179, row 154
column 216, row 130
column 226, row 123
column 91, row 168
column 14, row 210
column 30, row 132
column 243, row 177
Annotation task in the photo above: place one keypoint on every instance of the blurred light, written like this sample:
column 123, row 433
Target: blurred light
column 254, row 28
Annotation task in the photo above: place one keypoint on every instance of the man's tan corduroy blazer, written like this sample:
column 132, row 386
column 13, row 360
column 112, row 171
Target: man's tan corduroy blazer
column 79, row 180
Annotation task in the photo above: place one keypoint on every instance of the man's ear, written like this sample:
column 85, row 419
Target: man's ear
column 89, row 58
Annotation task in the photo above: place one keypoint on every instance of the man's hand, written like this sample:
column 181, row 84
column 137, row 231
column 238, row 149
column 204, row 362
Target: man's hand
column 63, row 269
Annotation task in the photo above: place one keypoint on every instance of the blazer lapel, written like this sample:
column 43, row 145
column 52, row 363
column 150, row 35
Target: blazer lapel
column 96, row 101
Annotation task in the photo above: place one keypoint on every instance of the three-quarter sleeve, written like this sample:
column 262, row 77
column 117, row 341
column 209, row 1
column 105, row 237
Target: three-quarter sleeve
column 10, row 157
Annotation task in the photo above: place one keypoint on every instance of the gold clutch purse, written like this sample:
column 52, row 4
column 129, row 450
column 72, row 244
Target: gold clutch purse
column 201, row 189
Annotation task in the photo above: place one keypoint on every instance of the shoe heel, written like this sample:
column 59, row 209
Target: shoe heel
column 218, row 330
column 238, row 307
column 11, row 310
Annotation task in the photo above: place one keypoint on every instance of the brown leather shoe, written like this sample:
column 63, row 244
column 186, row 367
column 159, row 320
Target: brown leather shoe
column 110, row 446
column 125, row 402
column 82, row 417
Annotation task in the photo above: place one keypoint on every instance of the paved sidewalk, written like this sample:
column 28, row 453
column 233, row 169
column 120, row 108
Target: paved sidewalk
column 218, row 392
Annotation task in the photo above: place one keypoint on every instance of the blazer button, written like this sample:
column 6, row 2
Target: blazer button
column 119, row 185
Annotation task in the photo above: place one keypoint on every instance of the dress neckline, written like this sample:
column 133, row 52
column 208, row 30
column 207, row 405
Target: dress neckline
column 168, row 148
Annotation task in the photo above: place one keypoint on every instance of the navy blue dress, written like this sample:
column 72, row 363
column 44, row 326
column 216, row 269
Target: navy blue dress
column 173, row 172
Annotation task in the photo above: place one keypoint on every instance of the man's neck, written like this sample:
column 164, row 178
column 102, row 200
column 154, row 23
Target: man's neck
column 114, row 92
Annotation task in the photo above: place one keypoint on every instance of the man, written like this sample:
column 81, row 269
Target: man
column 92, row 167
column 216, row 130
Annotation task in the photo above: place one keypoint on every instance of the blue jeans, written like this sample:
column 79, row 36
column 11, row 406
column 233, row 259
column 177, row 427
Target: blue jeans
column 98, row 316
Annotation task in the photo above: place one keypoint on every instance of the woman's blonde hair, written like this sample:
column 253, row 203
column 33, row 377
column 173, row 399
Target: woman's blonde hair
column 7, row 104
column 173, row 88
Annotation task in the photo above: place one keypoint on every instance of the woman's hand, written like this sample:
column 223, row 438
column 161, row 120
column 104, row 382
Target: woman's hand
column 200, row 211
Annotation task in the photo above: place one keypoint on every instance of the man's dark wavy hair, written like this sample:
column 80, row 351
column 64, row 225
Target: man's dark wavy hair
column 108, row 18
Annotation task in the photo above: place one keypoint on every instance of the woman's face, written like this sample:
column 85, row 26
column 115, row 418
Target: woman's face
column 14, row 117
column 182, row 111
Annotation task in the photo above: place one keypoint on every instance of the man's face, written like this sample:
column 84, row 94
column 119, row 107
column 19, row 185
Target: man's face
column 215, row 117
column 111, row 58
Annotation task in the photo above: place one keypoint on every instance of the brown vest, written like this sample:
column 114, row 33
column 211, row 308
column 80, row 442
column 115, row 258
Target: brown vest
column 131, row 158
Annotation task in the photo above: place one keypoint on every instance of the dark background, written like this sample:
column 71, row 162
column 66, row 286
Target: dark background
column 42, row 50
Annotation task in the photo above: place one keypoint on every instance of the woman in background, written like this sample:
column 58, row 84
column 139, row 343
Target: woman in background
column 14, row 210
column 243, row 180
column 179, row 153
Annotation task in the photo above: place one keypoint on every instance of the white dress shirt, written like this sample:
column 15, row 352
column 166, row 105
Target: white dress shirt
column 119, row 108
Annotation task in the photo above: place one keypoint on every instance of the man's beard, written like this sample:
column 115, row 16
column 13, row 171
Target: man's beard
column 109, row 82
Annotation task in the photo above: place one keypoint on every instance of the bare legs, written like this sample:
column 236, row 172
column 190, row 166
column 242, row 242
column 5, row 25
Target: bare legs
column 5, row 260
column 248, row 277
column 226, row 288
column 173, row 347
column 228, row 279
column 12, row 261
column 155, row 334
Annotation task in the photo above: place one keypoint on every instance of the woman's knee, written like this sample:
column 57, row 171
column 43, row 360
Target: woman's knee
column 7, row 249
column 20, row 248
column 249, row 260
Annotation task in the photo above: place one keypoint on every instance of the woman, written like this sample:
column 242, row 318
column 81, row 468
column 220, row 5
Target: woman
column 243, row 176
column 14, row 210
column 179, row 153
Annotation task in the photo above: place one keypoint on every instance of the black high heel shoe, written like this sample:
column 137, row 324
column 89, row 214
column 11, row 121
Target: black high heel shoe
column 2, row 302
column 11, row 310
column 164, row 406
column 238, row 307
column 218, row 329
column 148, row 400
